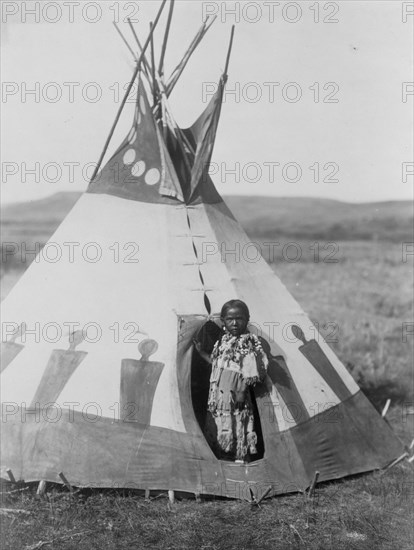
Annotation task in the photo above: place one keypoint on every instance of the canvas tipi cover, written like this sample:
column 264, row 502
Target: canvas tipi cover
column 98, row 339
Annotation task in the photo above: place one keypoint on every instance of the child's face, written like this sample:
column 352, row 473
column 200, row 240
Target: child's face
column 235, row 321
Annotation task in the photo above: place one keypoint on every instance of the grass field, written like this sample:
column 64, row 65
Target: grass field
column 362, row 303
column 370, row 512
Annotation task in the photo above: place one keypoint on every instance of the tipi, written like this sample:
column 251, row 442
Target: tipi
column 98, row 345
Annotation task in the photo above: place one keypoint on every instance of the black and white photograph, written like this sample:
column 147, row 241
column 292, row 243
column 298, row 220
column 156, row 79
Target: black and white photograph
column 207, row 245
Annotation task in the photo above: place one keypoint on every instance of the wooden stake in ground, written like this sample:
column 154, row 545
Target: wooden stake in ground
column 386, row 407
column 11, row 476
column 396, row 461
column 65, row 481
column 313, row 484
column 41, row 488
column 264, row 495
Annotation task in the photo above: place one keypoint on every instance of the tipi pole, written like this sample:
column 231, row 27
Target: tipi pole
column 172, row 81
column 164, row 44
column 154, row 90
column 125, row 41
column 163, row 118
column 229, row 50
column 108, row 139
column 175, row 75
column 148, row 68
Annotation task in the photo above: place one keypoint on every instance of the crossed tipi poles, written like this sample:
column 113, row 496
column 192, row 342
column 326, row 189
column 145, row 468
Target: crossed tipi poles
column 162, row 89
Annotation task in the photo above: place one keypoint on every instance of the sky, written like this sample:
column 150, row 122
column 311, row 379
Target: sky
column 319, row 100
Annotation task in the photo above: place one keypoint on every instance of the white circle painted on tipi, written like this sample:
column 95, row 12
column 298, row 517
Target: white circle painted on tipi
column 129, row 156
column 138, row 169
column 152, row 176
column 142, row 105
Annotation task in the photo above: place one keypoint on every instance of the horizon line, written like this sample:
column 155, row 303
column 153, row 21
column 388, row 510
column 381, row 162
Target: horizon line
column 264, row 196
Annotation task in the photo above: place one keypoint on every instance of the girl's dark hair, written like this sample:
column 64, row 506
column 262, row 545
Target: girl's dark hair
column 235, row 303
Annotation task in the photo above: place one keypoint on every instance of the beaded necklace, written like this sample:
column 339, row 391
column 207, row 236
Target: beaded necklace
column 241, row 349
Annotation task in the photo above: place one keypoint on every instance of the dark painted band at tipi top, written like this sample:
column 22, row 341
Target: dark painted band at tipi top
column 108, row 415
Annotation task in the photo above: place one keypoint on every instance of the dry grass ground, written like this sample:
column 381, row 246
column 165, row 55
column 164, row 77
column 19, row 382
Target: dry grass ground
column 367, row 296
column 363, row 305
column 369, row 512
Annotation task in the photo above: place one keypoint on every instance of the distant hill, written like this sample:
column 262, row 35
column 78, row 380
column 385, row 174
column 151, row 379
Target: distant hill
column 52, row 209
column 273, row 217
column 35, row 221
column 261, row 217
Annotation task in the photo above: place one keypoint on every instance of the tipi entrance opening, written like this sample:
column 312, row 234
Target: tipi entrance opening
column 257, row 428
column 200, row 381
column 200, row 384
